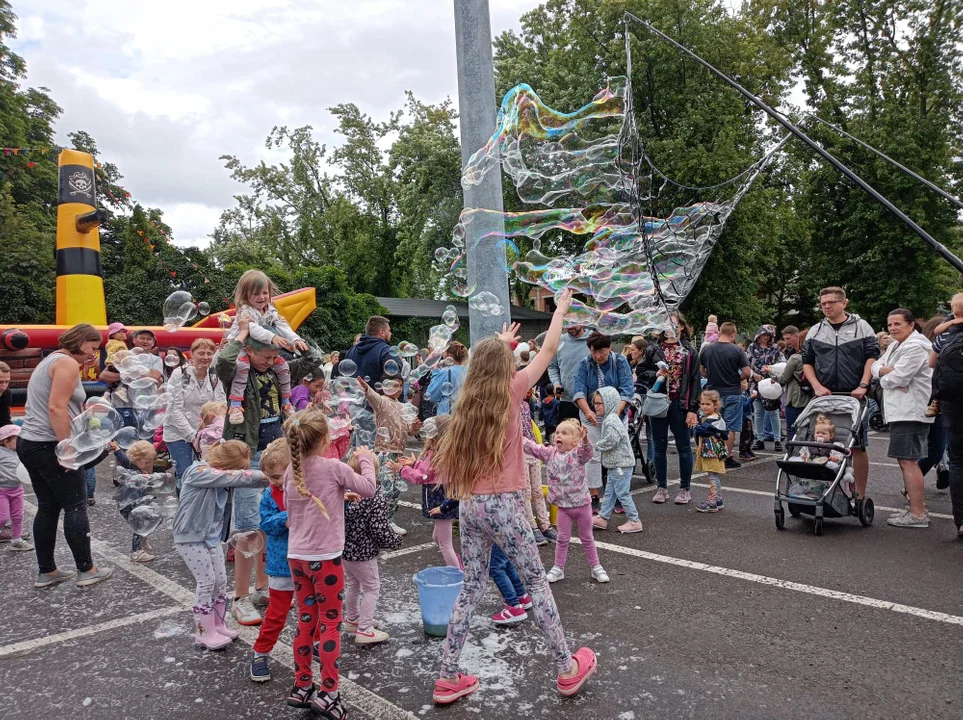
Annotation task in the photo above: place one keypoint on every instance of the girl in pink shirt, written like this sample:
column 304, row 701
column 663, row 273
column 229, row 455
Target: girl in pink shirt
column 481, row 464
column 314, row 488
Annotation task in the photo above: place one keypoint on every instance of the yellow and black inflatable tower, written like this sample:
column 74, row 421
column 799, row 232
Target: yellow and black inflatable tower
column 80, row 280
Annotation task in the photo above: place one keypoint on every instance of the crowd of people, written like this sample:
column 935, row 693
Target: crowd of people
column 259, row 445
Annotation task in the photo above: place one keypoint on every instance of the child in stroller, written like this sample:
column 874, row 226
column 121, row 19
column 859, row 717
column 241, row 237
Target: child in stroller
column 818, row 463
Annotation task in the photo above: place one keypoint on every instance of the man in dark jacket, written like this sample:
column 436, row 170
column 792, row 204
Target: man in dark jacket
column 372, row 350
column 838, row 357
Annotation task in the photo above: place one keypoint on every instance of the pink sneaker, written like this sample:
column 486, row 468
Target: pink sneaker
column 510, row 615
column 447, row 690
column 661, row 496
column 525, row 602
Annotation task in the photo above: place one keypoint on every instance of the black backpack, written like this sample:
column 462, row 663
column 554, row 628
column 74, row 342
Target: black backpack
column 427, row 408
column 948, row 377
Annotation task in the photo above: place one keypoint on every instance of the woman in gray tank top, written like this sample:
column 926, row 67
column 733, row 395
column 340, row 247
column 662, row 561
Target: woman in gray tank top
column 55, row 394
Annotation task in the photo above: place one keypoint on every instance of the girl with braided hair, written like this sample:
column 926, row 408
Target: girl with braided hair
column 314, row 488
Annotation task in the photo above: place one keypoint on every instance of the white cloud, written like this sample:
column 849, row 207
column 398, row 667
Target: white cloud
column 165, row 88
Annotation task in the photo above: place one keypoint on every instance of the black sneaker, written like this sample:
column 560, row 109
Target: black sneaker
column 942, row 477
column 747, row 457
column 260, row 672
column 540, row 539
column 596, row 505
column 759, row 445
column 732, row 464
column 329, row 707
column 778, row 447
column 301, row 697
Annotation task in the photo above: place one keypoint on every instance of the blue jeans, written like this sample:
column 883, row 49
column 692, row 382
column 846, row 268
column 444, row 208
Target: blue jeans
column 617, row 487
column 759, row 419
column 732, row 412
column 768, row 432
column 183, row 456
column 91, row 479
column 502, row 571
column 674, row 420
column 791, row 414
column 649, row 441
column 935, row 446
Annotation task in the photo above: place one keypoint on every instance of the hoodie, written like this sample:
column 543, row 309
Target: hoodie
column 906, row 390
column 561, row 371
column 614, row 435
column 370, row 355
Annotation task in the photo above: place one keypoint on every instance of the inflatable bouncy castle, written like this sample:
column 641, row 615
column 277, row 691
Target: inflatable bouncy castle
column 80, row 284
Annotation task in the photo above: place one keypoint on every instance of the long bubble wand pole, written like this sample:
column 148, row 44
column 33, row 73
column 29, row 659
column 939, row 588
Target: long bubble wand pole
column 778, row 117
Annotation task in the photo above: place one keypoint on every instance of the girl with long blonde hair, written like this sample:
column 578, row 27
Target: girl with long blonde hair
column 314, row 487
column 480, row 461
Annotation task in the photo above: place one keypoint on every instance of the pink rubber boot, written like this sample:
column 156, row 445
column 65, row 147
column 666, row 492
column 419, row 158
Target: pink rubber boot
column 220, row 624
column 207, row 636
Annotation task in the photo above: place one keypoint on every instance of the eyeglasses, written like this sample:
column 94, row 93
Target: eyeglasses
column 827, row 303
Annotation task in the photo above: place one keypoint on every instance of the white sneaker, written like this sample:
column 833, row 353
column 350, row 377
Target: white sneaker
column 398, row 530
column 598, row 572
column 141, row 556
column 909, row 520
column 371, row 636
column 245, row 612
column 555, row 574
column 20, row 544
column 260, row 598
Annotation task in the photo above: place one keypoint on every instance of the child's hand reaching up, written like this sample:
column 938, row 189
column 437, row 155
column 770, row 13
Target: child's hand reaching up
column 584, row 438
column 403, row 461
column 280, row 342
column 300, row 346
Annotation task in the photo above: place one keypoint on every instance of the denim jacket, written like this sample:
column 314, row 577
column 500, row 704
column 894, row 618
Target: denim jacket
column 616, row 372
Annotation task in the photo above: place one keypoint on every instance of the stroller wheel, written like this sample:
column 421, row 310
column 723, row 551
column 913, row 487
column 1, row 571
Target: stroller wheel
column 818, row 526
column 865, row 511
column 780, row 519
column 795, row 510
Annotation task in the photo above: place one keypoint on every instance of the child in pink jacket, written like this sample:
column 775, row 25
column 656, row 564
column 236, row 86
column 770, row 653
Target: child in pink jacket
column 314, row 488
column 568, row 490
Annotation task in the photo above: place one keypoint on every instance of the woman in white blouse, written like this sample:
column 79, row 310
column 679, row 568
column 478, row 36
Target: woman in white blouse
column 190, row 386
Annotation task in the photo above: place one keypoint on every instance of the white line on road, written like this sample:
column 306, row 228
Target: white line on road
column 366, row 702
column 772, row 494
column 786, row 584
column 407, row 550
column 26, row 645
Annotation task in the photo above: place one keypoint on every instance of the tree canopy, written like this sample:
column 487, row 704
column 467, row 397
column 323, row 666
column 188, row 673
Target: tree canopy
column 364, row 217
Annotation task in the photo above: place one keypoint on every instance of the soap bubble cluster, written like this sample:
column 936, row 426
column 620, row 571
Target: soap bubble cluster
column 589, row 173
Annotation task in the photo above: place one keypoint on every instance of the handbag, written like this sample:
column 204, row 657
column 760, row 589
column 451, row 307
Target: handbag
column 655, row 405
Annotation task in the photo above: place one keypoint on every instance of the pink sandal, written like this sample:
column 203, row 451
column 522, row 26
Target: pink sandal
column 447, row 690
column 587, row 665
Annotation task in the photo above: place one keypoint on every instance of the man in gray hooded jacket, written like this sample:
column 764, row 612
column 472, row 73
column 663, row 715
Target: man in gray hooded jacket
column 572, row 349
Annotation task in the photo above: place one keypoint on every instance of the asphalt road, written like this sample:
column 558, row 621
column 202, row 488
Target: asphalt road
column 707, row 616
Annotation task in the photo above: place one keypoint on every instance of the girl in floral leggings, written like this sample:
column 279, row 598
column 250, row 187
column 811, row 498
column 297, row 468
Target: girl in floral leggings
column 483, row 467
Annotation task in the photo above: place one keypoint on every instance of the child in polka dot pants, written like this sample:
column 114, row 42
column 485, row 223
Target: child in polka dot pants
column 314, row 488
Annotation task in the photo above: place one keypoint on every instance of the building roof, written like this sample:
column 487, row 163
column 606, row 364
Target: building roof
column 421, row 308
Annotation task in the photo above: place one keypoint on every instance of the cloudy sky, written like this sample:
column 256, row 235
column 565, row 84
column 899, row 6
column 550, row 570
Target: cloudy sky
column 167, row 87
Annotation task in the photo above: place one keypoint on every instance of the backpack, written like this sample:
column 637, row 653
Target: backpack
column 427, row 408
column 948, row 378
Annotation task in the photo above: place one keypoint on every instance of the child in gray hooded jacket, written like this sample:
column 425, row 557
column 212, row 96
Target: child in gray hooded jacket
column 618, row 459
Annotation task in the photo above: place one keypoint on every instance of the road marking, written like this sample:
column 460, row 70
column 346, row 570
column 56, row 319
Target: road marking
column 408, row 550
column 772, row 495
column 896, row 465
column 786, row 584
column 366, row 702
column 27, row 645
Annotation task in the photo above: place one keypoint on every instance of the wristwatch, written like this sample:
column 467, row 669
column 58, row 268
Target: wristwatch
column 864, row 385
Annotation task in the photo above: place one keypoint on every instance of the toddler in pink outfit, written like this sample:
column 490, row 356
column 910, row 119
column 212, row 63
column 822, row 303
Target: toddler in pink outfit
column 568, row 490
column 11, row 491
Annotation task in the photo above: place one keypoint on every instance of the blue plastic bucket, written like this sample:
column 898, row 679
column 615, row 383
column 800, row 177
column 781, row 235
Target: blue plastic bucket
column 438, row 588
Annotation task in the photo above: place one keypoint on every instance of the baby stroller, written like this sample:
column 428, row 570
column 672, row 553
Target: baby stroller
column 822, row 489
column 636, row 424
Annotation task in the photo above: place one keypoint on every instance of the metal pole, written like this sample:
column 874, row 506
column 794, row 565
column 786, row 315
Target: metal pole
column 935, row 188
column 849, row 174
column 476, row 111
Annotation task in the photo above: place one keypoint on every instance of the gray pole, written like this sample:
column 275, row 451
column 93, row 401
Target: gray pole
column 476, row 110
